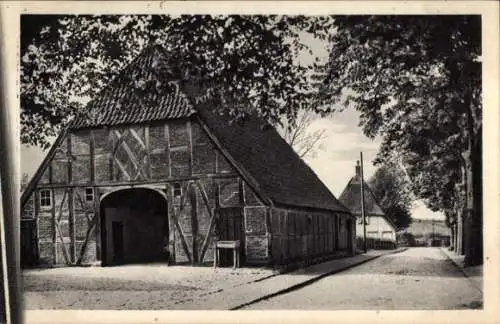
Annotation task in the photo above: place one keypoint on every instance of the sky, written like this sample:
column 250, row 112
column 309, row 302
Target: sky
column 334, row 163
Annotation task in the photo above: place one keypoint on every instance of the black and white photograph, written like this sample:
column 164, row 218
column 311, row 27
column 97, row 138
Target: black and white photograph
column 250, row 161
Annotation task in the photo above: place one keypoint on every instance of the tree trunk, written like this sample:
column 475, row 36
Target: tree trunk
column 460, row 234
column 473, row 248
column 452, row 237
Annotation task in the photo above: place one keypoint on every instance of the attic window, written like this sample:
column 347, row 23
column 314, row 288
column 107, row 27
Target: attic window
column 45, row 198
column 177, row 189
column 89, row 194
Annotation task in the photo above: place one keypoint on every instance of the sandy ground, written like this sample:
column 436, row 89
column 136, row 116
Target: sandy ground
column 418, row 279
column 129, row 287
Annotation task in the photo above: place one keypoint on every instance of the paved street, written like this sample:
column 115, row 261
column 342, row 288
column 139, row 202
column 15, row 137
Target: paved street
column 419, row 278
column 153, row 286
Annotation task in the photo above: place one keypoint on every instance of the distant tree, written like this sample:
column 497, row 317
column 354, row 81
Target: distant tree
column 393, row 193
column 304, row 140
column 416, row 81
column 407, row 239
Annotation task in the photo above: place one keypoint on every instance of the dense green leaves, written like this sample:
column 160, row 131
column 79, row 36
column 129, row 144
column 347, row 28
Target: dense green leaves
column 416, row 81
column 248, row 62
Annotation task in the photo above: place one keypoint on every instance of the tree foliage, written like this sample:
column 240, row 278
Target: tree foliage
column 390, row 186
column 249, row 62
column 416, row 81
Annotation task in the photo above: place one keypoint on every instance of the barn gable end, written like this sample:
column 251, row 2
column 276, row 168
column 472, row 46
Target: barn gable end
column 195, row 163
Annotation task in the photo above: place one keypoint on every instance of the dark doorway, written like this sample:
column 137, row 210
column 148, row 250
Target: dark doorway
column 230, row 228
column 29, row 243
column 117, row 234
column 134, row 227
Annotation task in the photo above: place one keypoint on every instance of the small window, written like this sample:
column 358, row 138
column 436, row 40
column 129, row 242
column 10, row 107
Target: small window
column 45, row 198
column 89, row 194
column 177, row 190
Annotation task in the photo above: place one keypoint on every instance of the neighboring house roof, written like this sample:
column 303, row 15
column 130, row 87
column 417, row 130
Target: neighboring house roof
column 351, row 198
column 265, row 160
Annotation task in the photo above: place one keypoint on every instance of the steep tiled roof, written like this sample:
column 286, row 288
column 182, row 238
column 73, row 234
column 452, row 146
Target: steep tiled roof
column 280, row 173
column 351, row 198
column 276, row 171
column 132, row 97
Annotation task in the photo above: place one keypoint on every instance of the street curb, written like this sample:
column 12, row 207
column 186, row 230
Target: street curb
column 312, row 280
column 238, row 285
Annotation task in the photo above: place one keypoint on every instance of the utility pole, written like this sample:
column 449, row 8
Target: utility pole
column 363, row 216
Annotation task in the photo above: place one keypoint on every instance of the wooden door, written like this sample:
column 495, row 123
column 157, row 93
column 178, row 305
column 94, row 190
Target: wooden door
column 230, row 228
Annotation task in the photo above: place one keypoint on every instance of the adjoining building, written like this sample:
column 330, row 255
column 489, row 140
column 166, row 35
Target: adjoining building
column 159, row 177
column 378, row 226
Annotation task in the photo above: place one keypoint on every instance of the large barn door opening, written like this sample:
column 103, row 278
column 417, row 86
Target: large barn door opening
column 134, row 227
column 230, row 228
column 117, row 235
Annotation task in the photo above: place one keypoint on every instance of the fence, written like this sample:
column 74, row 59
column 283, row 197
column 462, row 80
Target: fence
column 375, row 244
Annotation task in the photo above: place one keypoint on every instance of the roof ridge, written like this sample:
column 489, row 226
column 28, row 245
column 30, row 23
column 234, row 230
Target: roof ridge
column 125, row 90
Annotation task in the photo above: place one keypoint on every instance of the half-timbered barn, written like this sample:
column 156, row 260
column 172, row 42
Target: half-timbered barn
column 160, row 178
column 378, row 225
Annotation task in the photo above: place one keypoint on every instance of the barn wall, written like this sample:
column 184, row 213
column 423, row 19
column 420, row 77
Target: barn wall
column 299, row 235
column 256, row 216
column 159, row 156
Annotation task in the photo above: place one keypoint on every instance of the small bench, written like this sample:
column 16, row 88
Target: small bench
column 233, row 245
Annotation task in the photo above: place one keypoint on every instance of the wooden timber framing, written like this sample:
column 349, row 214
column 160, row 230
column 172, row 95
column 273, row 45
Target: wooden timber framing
column 192, row 217
column 72, row 225
column 43, row 167
column 172, row 229
column 175, row 217
column 247, row 177
column 138, row 184
column 211, row 212
column 92, row 158
column 194, row 223
column 54, row 227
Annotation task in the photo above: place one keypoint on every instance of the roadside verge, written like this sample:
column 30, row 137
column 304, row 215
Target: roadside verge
column 474, row 274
